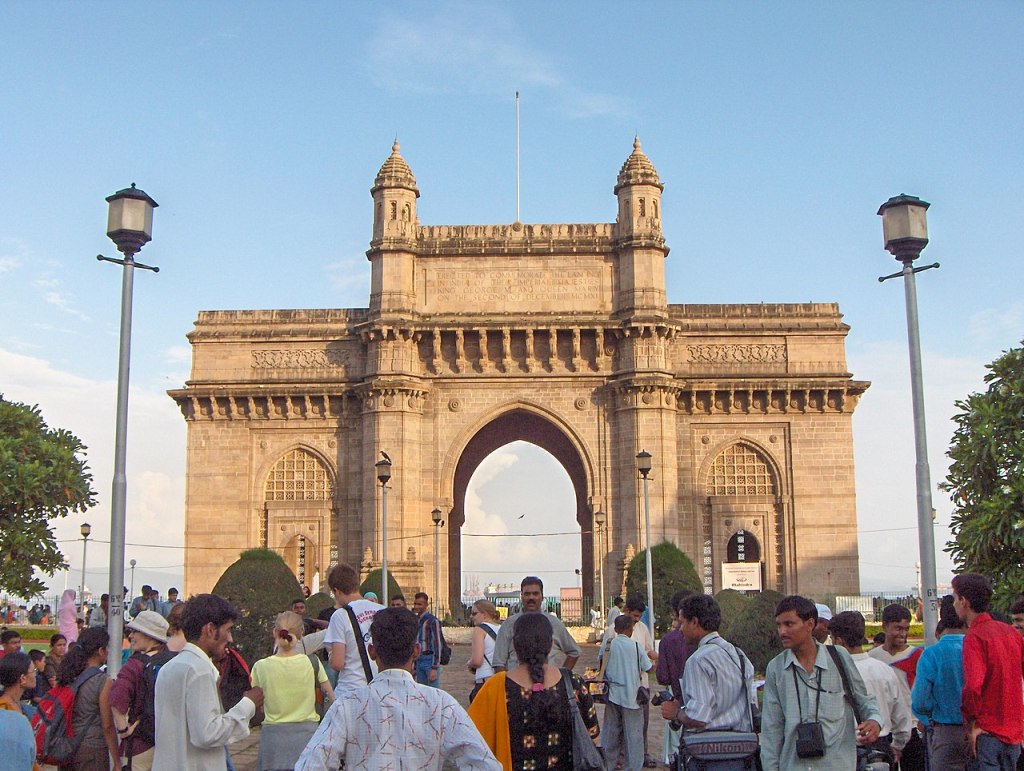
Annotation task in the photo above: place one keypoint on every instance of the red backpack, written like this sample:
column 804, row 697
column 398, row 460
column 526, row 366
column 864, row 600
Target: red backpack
column 56, row 743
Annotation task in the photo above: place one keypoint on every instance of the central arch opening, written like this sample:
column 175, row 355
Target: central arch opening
column 520, row 520
column 535, row 444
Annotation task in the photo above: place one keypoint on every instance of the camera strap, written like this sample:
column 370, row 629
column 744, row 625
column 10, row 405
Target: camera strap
column 799, row 706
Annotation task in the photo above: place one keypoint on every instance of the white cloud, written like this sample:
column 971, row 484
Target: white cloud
column 8, row 264
column 177, row 354
column 464, row 48
column 1000, row 326
column 63, row 302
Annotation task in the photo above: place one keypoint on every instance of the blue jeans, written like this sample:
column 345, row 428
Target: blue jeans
column 992, row 754
column 423, row 664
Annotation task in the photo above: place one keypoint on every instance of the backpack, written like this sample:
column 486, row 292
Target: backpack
column 445, row 656
column 56, row 743
column 146, row 729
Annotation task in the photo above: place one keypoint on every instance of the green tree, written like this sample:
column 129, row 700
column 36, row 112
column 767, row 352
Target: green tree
column 42, row 478
column 672, row 570
column 260, row 585
column 374, row 583
column 753, row 630
column 732, row 604
column 986, row 479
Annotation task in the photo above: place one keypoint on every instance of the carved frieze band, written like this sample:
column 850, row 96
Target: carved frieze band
column 196, row 405
column 299, row 358
column 737, row 353
column 766, row 400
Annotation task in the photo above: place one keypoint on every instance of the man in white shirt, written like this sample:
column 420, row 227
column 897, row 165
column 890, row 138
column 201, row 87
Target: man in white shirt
column 193, row 730
column 623, row 717
column 394, row 722
column 349, row 654
column 847, row 630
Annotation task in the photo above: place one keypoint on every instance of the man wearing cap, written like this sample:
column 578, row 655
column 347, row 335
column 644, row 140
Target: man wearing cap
column 129, row 694
column 820, row 632
column 847, row 630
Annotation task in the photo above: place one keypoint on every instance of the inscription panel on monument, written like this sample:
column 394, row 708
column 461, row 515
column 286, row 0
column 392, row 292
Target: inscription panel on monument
column 518, row 289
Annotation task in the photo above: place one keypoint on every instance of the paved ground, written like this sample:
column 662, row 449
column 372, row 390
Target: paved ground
column 458, row 681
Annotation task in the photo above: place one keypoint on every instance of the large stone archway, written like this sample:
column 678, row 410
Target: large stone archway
column 511, row 426
column 559, row 334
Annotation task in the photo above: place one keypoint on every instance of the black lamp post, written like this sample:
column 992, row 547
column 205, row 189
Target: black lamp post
column 435, row 517
column 383, row 468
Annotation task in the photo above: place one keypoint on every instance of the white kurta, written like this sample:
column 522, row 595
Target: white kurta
column 192, row 729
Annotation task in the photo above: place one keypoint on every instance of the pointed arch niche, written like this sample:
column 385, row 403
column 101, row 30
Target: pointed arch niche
column 743, row 493
column 520, row 424
column 298, row 514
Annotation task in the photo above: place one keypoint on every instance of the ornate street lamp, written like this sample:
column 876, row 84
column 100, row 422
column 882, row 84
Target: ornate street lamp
column 383, row 468
column 435, row 517
column 130, row 227
column 86, row 531
column 599, row 520
column 905, row 229
column 643, row 466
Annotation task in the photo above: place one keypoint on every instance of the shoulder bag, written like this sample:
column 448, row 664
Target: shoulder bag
column 585, row 754
column 880, row 751
column 723, row 750
column 360, row 644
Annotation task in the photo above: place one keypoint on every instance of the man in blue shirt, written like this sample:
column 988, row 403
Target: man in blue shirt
column 623, row 717
column 935, row 698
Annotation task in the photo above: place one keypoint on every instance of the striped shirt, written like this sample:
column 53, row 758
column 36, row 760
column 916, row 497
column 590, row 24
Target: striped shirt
column 715, row 692
column 429, row 638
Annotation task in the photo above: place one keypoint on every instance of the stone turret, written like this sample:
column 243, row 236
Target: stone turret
column 639, row 192
column 391, row 252
column 638, row 237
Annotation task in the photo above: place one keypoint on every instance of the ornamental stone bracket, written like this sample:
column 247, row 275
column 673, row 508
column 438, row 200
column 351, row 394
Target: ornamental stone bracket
column 771, row 398
column 263, row 404
column 638, row 393
column 386, row 395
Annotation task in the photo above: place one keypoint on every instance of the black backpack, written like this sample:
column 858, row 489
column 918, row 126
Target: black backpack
column 446, row 650
column 146, row 729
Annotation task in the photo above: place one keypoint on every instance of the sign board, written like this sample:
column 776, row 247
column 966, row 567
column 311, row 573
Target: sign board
column 741, row 576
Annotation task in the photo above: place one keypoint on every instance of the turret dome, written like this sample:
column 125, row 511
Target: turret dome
column 395, row 172
column 637, row 170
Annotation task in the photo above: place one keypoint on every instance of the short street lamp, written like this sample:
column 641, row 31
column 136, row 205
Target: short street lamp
column 383, row 468
column 599, row 520
column 130, row 227
column 131, row 592
column 86, row 531
column 435, row 517
column 905, row 229
column 643, row 465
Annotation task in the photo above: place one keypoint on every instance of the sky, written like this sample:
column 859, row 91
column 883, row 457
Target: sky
column 777, row 128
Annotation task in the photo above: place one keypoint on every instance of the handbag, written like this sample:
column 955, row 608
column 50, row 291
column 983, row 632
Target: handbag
column 585, row 754
column 598, row 687
column 643, row 693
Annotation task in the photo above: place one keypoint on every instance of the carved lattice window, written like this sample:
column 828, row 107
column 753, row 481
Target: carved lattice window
column 740, row 470
column 299, row 476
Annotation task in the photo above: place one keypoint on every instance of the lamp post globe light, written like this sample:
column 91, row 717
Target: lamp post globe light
column 643, row 466
column 86, row 531
column 905, row 230
column 435, row 517
column 599, row 520
column 383, row 468
column 130, row 227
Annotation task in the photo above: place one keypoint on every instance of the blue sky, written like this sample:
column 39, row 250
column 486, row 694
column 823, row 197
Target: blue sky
column 777, row 128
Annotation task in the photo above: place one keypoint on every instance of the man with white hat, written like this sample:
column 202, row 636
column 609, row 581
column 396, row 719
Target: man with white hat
column 820, row 632
column 131, row 695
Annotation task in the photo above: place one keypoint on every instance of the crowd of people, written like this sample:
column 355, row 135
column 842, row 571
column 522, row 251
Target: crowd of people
column 359, row 687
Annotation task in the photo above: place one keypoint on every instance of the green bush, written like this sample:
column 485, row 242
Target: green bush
column 260, row 585
column 317, row 602
column 374, row 583
column 753, row 630
column 672, row 570
column 732, row 603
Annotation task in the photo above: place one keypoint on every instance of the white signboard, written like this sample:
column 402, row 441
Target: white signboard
column 741, row 576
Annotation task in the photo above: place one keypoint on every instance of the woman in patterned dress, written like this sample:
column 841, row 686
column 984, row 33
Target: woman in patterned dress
column 524, row 714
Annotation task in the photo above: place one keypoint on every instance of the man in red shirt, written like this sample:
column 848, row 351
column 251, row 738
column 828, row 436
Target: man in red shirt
column 993, row 701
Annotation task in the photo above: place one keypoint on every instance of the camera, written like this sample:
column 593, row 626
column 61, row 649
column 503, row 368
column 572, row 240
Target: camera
column 810, row 740
column 658, row 699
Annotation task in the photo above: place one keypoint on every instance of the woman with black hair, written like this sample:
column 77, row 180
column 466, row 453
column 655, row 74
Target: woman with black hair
column 17, row 675
column 92, row 717
column 524, row 714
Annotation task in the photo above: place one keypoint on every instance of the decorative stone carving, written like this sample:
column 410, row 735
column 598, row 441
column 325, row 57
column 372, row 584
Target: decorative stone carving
column 299, row 358
column 737, row 353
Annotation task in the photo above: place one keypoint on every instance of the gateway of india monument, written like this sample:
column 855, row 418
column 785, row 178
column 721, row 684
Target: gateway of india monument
column 560, row 335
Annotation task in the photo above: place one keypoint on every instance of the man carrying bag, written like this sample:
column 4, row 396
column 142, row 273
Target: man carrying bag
column 717, row 713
